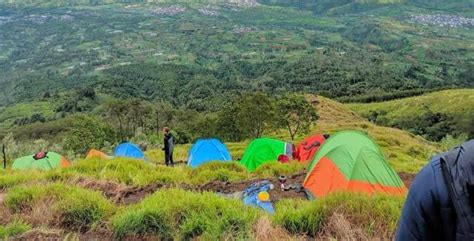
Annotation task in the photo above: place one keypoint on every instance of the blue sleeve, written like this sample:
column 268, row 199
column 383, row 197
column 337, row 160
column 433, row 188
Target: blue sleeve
column 420, row 207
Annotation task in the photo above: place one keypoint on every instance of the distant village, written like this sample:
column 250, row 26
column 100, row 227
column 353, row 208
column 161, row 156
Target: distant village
column 443, row 20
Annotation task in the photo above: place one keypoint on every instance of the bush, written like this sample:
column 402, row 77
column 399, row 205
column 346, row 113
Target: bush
column 75, row 208
column 178, row 214
column 376, row 215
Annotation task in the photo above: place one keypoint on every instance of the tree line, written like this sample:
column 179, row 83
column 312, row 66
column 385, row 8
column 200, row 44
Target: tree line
column 249, row 115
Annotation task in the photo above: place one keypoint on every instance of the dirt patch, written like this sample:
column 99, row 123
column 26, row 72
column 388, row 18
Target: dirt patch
column 5, row 215
column 119, row 193
column 276, row 194
column 124, row 194
column 2, row 198
column 407, row 178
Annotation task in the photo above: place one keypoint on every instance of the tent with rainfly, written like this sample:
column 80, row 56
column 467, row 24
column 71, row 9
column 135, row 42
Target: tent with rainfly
column 307, row 148
column 206, row 150
column 130, row 150
column 264, row 150
column 352, row 162
column 93, row 153
column 42, row 160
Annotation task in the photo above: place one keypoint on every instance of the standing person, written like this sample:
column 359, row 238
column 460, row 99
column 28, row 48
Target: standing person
column 168, row 142
column 440, row 204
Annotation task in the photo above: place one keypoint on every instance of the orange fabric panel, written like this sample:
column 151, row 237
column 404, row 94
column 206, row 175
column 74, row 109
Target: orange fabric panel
column 325, row 178
column 96, row 154
column 64, row 162
column 360, row 186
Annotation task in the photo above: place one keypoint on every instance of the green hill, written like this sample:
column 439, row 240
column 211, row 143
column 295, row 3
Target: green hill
column 454, row 109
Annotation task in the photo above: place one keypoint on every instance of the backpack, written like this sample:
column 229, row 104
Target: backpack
column 458, row 173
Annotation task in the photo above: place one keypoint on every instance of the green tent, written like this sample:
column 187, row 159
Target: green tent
column 264, row 150
column 50, row 161
column 350, row 161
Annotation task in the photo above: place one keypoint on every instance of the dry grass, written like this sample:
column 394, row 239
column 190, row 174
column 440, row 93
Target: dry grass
column 338, row 227
column 263, row 230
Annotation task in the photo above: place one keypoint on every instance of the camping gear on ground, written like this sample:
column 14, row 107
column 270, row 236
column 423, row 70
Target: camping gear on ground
column 263, row 196
column 41, row 160
column 93, row 153
column 307, row 148
column 256, row 194
column 130, row 150
column 207, row 150
column 283, row 159
column 282, row 180
column 264, row 150
column 352, row 162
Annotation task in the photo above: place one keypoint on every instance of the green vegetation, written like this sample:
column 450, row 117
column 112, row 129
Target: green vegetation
column 186, row 215
column 112, row 70
column 13, row 229
column 144, row 52
column 432, row 115
column 74, row 208
column 378, row 215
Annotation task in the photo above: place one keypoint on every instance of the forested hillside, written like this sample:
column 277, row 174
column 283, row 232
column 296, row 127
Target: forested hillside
column 59, row 60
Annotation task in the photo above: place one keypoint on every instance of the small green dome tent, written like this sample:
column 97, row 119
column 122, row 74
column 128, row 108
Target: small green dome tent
column 51, row 160
column 264, row 150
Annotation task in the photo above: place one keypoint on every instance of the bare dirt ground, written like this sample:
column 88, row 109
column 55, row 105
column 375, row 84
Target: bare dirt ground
column 124, row 194
column 275, row 195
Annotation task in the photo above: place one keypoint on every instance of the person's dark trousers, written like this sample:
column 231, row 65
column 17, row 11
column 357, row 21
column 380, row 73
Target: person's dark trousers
column 169, row 159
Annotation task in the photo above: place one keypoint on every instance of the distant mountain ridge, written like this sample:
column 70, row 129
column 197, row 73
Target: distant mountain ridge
column 58, row 3
column 347, row 6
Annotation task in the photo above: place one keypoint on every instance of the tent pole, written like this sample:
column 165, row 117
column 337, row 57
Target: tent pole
column 4, row 157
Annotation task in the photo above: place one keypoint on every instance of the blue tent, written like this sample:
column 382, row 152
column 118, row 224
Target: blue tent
column 128, row 149
column 206, row 150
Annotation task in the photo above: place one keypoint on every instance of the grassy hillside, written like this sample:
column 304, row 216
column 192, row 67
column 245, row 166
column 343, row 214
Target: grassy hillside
column 455, row 105
column 124, row 198
column 405, row 151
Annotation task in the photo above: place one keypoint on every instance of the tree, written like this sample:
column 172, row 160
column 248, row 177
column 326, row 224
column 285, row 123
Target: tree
column 296, row 114
column 88, row 132
column 118, row 110
column 255, row 114
column 164, row 114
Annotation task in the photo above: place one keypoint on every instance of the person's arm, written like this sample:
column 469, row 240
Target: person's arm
column 420, row 209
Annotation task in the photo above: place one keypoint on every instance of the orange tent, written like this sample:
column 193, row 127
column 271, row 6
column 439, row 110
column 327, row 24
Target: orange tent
column 306, row 149
column 97, row 154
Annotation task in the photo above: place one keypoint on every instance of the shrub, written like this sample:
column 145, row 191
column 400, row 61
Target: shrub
column 178, row 214
column 75, row 208
column 376, row 215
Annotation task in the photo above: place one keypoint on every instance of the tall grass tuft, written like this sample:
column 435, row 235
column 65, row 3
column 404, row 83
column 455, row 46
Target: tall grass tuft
column 69, row 207
column 275, row 169
column 376, row 215
column 178, row 214
column 12, row 229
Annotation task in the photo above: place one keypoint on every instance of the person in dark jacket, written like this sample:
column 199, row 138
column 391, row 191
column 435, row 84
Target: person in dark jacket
column 430, row 211
column 168, row 142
